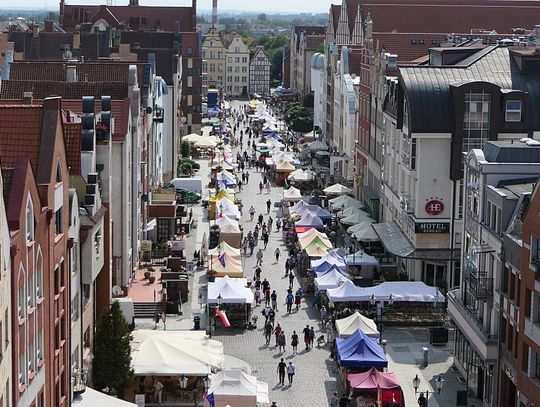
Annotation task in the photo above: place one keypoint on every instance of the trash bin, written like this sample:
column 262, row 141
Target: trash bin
column 425, row 352
column 197, row 322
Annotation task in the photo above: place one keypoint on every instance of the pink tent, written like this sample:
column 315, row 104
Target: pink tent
column 375, row 381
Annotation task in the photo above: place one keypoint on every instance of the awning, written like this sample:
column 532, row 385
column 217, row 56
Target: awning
column 396, row 243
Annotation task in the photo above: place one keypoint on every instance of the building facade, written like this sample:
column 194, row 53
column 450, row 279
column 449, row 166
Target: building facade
column 237, row 67
column 259, row 73
column 305, row 41
column 213, row 57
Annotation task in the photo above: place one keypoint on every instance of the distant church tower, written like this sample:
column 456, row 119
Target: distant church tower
column 214, row 13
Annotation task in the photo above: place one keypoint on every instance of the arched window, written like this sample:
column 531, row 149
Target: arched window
column 39, row 274
column 58, row 173
column 21, row 293
column 29, row 222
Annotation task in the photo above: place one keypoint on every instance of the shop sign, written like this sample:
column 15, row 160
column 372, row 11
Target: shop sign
column 434, row 207
column 432, row 227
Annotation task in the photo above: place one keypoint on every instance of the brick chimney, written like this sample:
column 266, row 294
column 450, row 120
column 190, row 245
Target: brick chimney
column 28, row 98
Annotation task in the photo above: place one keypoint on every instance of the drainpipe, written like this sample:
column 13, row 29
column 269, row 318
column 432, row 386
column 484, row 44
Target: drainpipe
column 498, row 365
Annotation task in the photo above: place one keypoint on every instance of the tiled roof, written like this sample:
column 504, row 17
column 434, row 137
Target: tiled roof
column 451, row 15
column 407, row 46
column 72, row 141
column 130, row 16
column 106, row 71
column 148, row 39
column 164, row 61
column 119, row 109
column 20, row 133
column 14, row 89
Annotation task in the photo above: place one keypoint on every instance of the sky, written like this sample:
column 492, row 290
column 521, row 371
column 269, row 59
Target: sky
column 309, row 6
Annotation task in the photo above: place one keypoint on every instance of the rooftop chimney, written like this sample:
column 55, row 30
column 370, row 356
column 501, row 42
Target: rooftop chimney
column 537, row 37
column 28, row 98
column 71, row 73
column 35, row 31
column 214, row 13
column 133, row 2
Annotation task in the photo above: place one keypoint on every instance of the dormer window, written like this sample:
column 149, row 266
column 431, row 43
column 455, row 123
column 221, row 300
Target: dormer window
column 513, row 111
column 29, row 222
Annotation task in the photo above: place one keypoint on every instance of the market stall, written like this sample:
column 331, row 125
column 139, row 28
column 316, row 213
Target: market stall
column 292, row 194
column 235, row 299
column 326, row 267
column 238, row 389
column 283, row 169
column 358, row 217
column 224, row 247
column 346, row 292
column 225, row 265
column 337, row 189
column 374, row 387
column 93, row 398
column 360, row 352
column 308, row 220
column 332, row 279
column 361, row 265
column 345, row 327
column 229, row 232
column 343, row 202
column 212, row 207
column 225, row 207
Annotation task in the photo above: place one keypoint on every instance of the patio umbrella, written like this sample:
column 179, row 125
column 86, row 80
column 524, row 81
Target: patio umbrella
column 360, row 226
column 205, row 143
column 358, row 217
column 192, row 138
column 366, row 235
column 337, row 189
column 344, row 201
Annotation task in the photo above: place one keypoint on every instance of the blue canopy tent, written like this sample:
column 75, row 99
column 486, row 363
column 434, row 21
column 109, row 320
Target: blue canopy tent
column 269, row 130
column 360, row 351
column 274, row 136
column 326, row 267
column 214, row 111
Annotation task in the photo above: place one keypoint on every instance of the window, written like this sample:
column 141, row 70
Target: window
column 59, row 221
column 75, row 308
column 39, row 276
column 29, row 221
column 537, row 366
column 476, row 120
column 40, row 345
column 22, row 368
column 30, row 292
column 513, row 111
column 31, row 357
column 525, row 359
column 22, row 301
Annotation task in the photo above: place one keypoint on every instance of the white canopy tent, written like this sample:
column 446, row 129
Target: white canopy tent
column 360, row 226
column 232, row 291
column 228, row 224
column 238, row 389
column 93, row 398
column 292, row 194
column 347, row 326
column 359, row 216
column 412, row 291
column 227, row 208
column 345, row 292
column 173, row 353
column 337, row 189
column 360, row 258
column 192, row 138
column 205, row 143
column 309, row 220
column 366, row 234
column 332, row 279
column 317, row 145
column 344, row 202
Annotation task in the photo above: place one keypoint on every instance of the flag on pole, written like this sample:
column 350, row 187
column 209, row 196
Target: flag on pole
column 210, row 399
column 221, row 258
column 223, row 317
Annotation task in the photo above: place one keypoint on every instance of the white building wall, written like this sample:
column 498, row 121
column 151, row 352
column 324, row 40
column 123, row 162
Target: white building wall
column 319, row 100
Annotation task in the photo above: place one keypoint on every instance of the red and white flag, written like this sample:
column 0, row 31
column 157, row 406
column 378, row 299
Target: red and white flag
column 223, row 317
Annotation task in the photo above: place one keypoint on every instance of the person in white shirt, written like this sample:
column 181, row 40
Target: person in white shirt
column 290, row 372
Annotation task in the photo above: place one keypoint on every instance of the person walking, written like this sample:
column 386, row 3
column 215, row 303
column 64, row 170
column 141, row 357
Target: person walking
column 277, row 332
column 267, row 297
column 298, row 297
column 267, row 332
column 251, row 244
column 277, row 252
column 273, row 297
column 282, row 342
column 259, row 257
column 294, row 342
column 247, row 177
column 324, row 314
column 270, row 222
column 334, row 401
column 422, row 401
column 281, row 367
column 158, row 391
column 311, row 337
column 306, row 332
column 291, row 280
column 271, row 316
column 258, row 272
column 251, row 213
column 265, row 312
column 291, row 369
column 265, row 285
column 260, row 187
column 268, row 189
column 265, row 238
column 289, row 300
column 268, row 205
column 257, row 296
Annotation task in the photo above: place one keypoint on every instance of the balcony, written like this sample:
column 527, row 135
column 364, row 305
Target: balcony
column 479, row 284
column 469, row 324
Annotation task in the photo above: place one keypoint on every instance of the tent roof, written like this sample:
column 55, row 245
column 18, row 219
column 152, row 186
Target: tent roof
column 345, row 201
column 325, row 267
column 314, row 250
column 292, row 193
column 192, row 138
column 224, row 247
column 366, row 234
column 373, row 380
column 337, row 189
column 297, row 206
column 314, row 210
column 284, row 166
column 232, row 290
column 359, row 350
column 232, row 267
column 240, row 384
column 332, row 279
column 228, row 225
column 222, row 195
column 320, row 241
column 168, row 353
column 92, row 398
column 346, row 292
column 357, row 217
column 309, row 220
column 415, row 291
column 347, row 326
column 330, row 259
column 360, row 226
column 317, row 145
column 360, row 258
column 312, row 233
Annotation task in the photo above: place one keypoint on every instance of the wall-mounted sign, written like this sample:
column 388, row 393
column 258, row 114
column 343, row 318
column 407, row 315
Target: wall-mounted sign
column 434, row 207
column 431, row 227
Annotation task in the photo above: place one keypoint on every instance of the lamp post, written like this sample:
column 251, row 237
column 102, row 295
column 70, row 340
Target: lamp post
column 424, row 400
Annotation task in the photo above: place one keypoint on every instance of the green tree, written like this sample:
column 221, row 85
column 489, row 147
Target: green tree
column 185, row 149
column 112, row 350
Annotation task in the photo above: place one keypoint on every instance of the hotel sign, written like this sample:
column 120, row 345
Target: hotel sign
column 432, row 227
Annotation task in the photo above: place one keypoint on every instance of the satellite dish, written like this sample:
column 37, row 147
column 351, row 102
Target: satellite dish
column 117, row 290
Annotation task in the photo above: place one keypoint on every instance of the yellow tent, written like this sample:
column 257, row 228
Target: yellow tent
column 212, row 202
column 312, row 232
column 316, row 250
column 224, row 247
column 231, row 266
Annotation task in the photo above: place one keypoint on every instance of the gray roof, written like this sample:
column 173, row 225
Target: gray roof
column 427, row 87
column 506, row 152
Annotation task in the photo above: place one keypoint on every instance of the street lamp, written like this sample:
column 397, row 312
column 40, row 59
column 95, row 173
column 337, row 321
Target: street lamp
column 219, row 299
column 439, row 381
column 390, row 300
column 372, row 299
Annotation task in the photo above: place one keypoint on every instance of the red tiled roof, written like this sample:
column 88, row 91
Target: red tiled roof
column 119, row 109
column 449, row 16
column 20, row 133
column 14, row 89
column 163, row 17
column 106, row 71
column 72, row 141
column 407, row 46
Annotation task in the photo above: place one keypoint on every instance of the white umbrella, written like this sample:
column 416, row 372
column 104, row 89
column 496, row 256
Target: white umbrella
column 360, row 226
column 366, row 235
column 358, row 217
column 337, row 189
column 344, row 202
column 205, row 143
column 192, row 138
